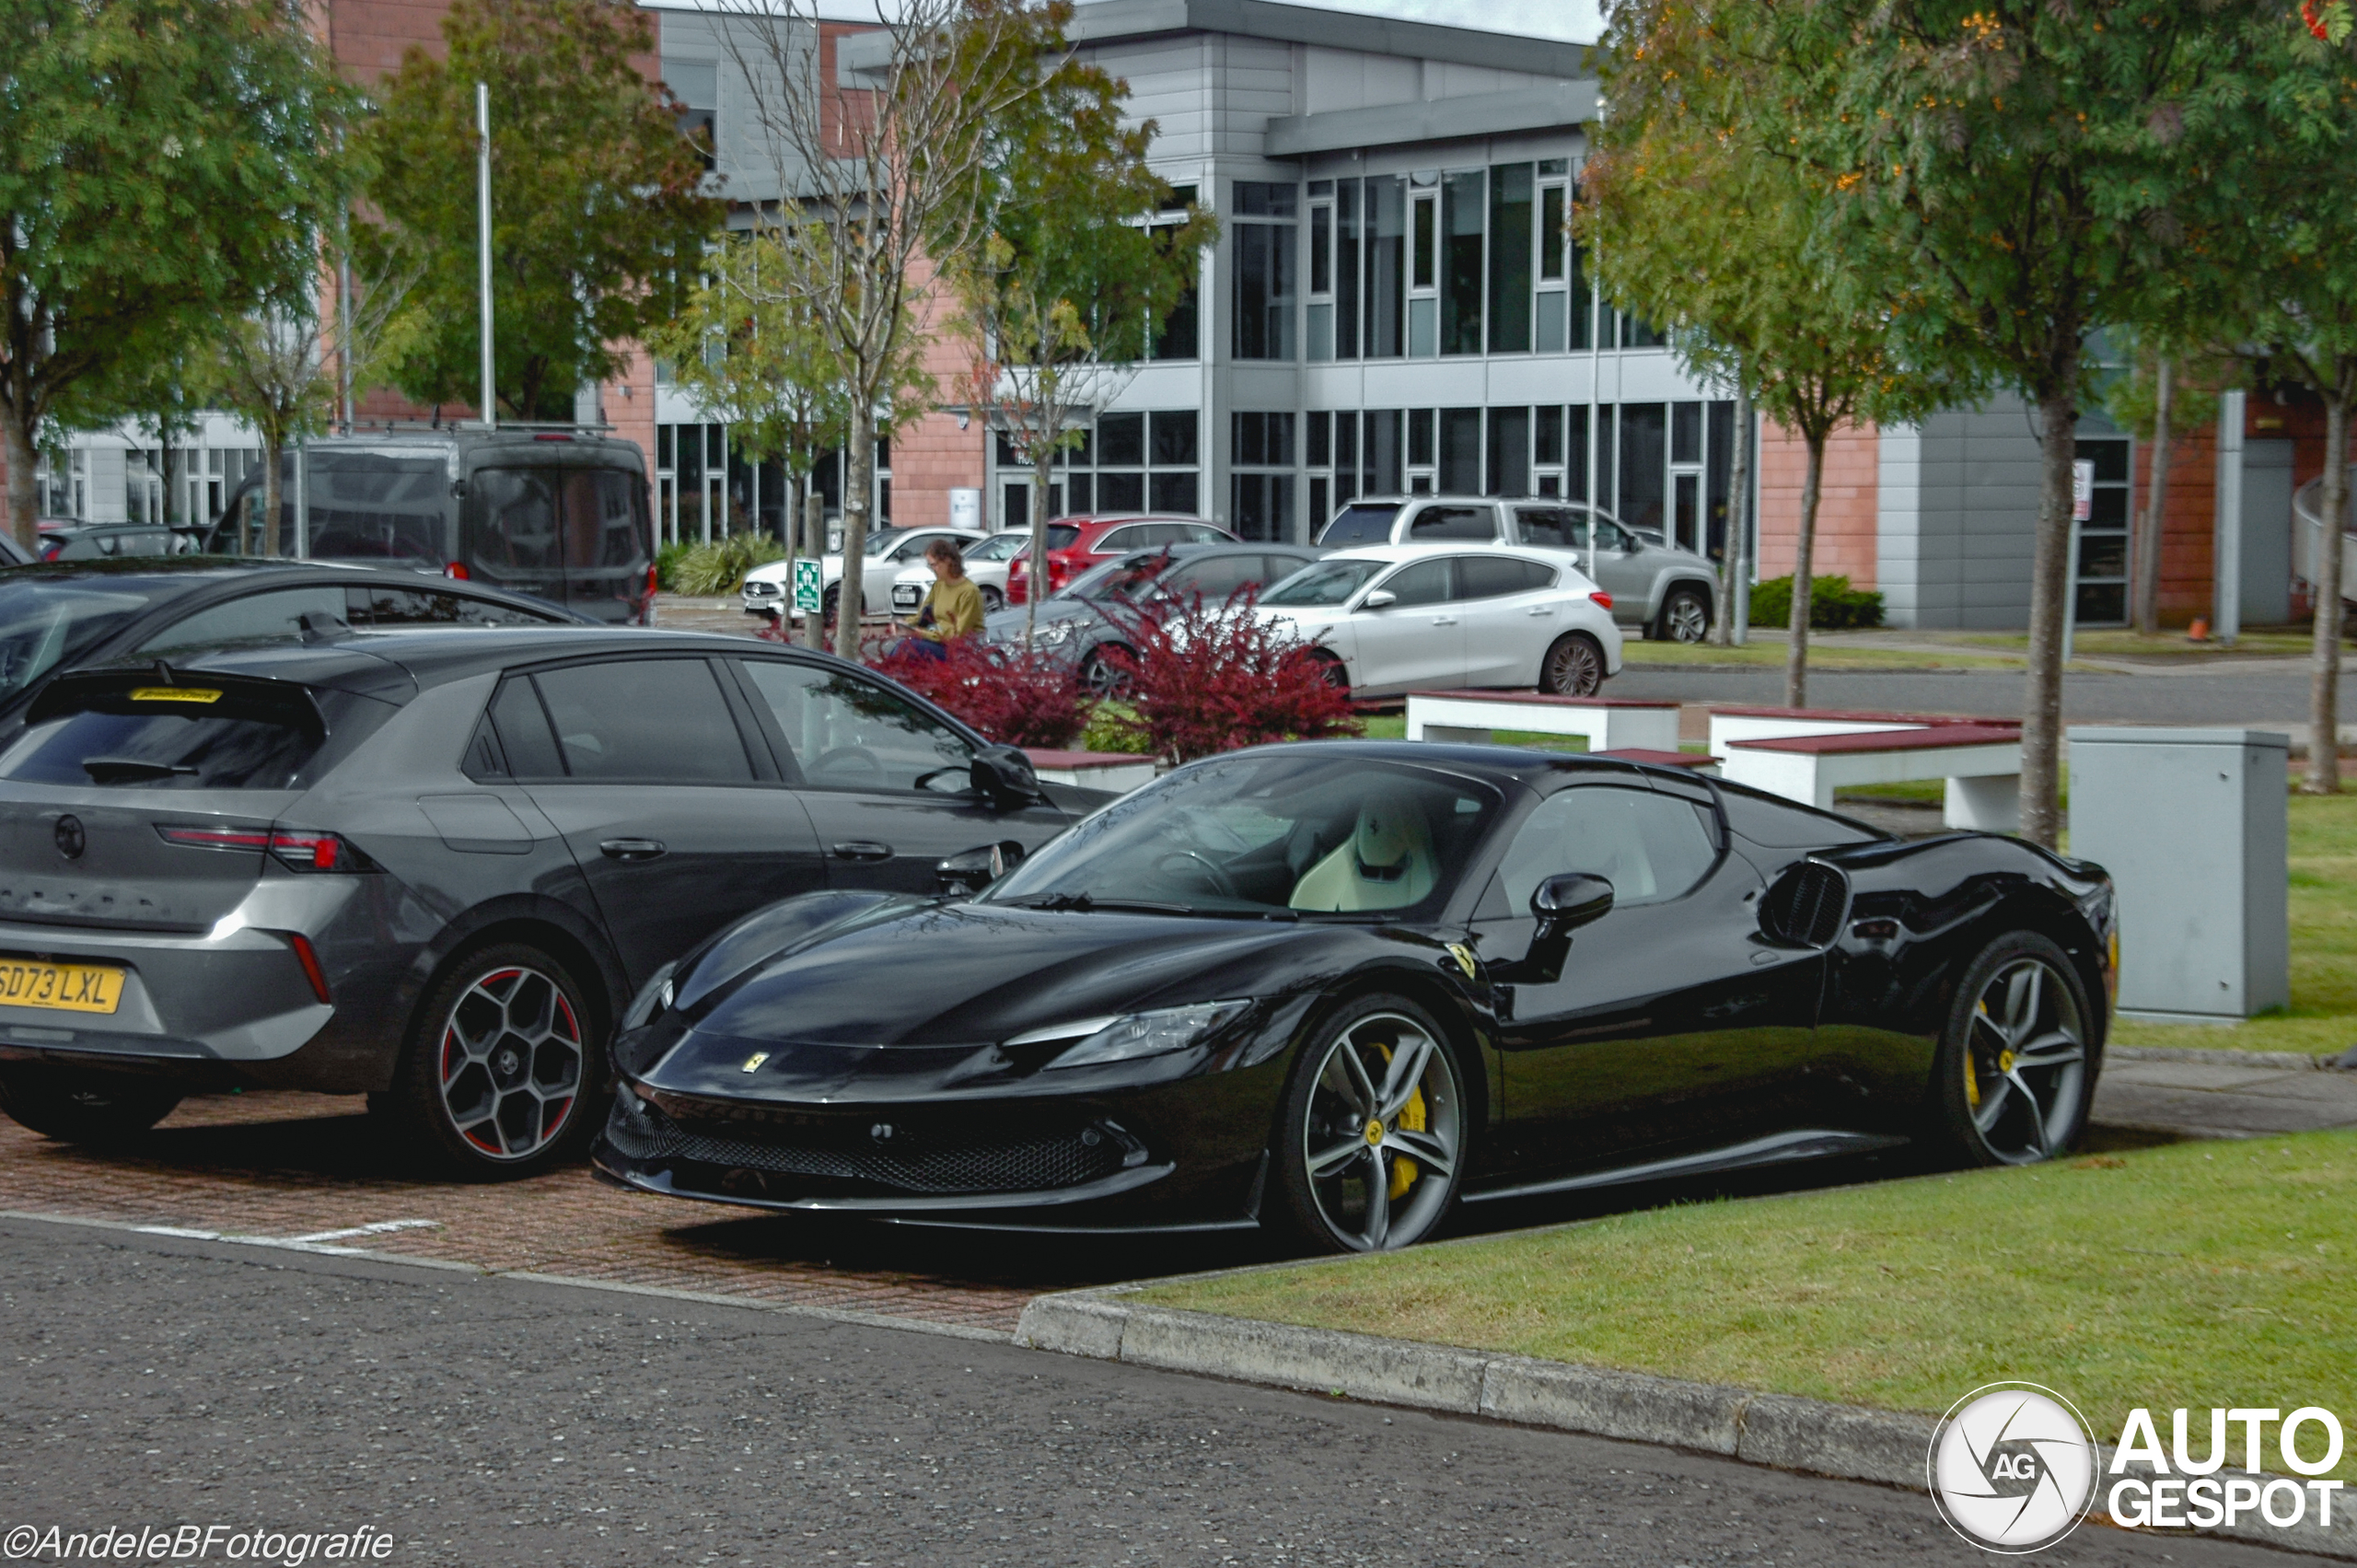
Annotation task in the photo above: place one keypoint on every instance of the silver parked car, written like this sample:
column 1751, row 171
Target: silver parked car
column 1668, row 592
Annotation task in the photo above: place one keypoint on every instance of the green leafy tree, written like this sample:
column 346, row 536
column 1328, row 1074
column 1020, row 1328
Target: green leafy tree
column 163, row 164
column 1699, row 223
column 885, row 179
column 1063, row 298
column 599, row 214
column 2170, row 388
column 2008, row 178
column 2289, row 296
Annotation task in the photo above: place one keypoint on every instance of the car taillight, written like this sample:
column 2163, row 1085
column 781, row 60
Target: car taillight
column 456, row 572
column 1603, row 599
column 653, row 579
column 310, row 962
column 295, row 850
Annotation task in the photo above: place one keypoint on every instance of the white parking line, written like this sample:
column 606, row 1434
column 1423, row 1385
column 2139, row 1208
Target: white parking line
column 381, row 1227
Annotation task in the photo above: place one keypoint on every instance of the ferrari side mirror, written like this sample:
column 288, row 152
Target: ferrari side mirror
column 1004, row 775
column 975, row 869
column 1561, row 905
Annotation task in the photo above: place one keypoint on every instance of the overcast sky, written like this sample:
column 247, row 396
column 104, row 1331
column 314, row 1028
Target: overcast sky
column 1577, row 19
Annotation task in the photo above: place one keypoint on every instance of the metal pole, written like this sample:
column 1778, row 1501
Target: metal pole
column 343, row 326
column 1746, row 531
column 2226, row 575
column 483, row 225
column 302, row 501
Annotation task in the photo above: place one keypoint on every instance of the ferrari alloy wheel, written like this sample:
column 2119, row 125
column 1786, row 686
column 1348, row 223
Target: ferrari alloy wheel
column 1573, row 666
column 1686, row 618
column 502, row 1073
column 1373, row 1138
column 2017, row 1073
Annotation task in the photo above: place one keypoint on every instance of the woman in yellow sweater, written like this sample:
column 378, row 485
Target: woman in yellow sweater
column 953, row 605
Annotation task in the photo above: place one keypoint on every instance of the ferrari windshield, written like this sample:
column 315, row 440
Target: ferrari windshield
column 1290, row 832
column 1327, row 581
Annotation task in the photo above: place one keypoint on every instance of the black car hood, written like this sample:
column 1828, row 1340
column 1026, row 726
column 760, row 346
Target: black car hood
column 947, row 974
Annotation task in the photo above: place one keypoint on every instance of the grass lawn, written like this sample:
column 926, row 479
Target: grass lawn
column 2194, row 1275
column 2277, row 642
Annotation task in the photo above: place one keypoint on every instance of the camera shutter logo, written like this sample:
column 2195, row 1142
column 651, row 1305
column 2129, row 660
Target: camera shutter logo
column 2013, row 1467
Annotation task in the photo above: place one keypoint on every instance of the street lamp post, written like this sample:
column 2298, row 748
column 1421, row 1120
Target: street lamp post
column 482, row 223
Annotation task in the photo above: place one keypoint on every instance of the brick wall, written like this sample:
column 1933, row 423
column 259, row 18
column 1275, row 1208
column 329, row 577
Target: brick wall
column 1846, row 504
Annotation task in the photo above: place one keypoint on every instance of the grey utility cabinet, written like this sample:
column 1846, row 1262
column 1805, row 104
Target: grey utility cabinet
column 2190, row 824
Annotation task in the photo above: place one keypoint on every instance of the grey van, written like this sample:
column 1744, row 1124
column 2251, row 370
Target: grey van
column 561, row 514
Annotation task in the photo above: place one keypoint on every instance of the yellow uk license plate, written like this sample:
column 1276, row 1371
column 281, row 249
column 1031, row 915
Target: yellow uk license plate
column 65, row 988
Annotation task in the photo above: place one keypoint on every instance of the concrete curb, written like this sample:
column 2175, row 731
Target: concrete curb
column 2330, row 1062
column 1847, row 1442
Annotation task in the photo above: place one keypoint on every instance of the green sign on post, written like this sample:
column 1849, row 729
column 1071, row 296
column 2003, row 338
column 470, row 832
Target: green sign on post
column 808, row 587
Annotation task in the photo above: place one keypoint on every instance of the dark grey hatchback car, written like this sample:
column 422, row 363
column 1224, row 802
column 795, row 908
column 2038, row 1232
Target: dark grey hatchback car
column 434, row 867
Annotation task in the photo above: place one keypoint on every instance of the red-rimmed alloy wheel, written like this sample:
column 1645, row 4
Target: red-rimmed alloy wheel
column 501, row 1076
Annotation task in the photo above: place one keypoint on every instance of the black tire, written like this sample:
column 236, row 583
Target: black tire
column 1338, row 674
column 2012, row 1084
column 992, row 601
column 1326, row 1162
column 1099, row 675
column 505, row 1075
column 1685, row 617
column 830, row 602
column 83, row 1106
column 1573, row 666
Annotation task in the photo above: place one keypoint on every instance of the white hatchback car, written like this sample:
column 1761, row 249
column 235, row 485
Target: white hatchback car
column 1411, row 617
column 890, row 552
column 986, row 562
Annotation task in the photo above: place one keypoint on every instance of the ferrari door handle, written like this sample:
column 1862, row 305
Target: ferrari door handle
column 630, row 849
column 863, row 849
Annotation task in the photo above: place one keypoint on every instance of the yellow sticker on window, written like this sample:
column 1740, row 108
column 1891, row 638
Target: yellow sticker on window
column 174, row 694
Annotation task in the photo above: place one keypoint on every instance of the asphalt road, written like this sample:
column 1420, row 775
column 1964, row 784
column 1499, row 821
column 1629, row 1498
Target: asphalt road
column 152, row 1381
column 2274, row 696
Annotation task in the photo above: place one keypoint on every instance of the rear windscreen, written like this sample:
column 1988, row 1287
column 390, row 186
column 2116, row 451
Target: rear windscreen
column 1361, row 524
column 186, row 735
column 370, row 507
column 1063, row 536
column 43, row 622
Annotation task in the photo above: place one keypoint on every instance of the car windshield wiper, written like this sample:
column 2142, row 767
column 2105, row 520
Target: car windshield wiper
column 129, row 770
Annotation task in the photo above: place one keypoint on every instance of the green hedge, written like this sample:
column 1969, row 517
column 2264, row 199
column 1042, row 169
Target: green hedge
column 1833, row 604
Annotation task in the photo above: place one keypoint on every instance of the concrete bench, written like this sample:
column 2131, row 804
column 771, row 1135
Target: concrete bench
column 1729, row 724
column 1118, row 771
column 1981, row 763
column 1607, row 724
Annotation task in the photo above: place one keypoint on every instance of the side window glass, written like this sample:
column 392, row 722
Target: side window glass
column 1611, row 536
column 653, row 721
column 523, row 728
column 388, row 607
column 1650, row 848
column 1120, row 539
column 1454, row 522
column 515, row 520
column 1494, row 576
column 1551, row 527
column 1426, row 582
column 257, row 618
column 850, row 733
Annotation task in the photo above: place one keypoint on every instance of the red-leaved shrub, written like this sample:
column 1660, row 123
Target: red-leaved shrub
column 1015, row 697
column 1213, row 678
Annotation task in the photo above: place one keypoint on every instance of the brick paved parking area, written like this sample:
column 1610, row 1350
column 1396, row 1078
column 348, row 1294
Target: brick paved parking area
column 313, row 1166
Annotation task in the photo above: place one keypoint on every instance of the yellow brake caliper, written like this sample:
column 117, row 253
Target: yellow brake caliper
column 1404, row 1170
column 1972, row 1074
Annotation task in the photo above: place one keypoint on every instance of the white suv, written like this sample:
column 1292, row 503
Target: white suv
column 1667, row 591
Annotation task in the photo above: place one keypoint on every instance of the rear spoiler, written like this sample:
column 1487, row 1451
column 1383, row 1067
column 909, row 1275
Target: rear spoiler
column 160, row 688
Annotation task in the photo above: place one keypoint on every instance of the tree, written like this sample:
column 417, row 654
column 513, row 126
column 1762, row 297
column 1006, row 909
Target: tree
column 598, row 210
column 2165, row 392
column 278, row 370
column 885, row 182
column 1697, row 222
column 2007, row 179
column 2289, row 296
column 1071, row 284
column 163, row 164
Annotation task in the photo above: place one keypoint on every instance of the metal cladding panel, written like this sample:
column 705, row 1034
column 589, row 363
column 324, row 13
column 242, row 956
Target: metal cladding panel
column 2191, row 824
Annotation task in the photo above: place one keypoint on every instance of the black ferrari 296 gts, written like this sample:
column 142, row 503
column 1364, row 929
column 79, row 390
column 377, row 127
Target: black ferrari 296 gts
column 1340, row 987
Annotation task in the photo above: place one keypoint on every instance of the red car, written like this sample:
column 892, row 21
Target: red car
column 1074, row 544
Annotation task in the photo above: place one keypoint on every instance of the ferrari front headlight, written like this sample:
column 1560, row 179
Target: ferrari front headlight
column 1140, row 1034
